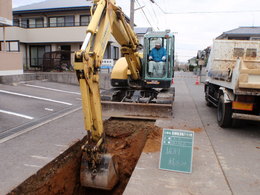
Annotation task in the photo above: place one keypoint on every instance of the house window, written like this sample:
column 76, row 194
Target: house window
column 32, row 23
column 16, row 22
column 84, row 20
column 10, row 46
column 115, row 53
column 61, row 21
column 24, row 23
column 36, row 54
column 255, row 38
column 52, row 22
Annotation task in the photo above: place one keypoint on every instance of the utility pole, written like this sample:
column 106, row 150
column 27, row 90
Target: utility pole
column 132, row 13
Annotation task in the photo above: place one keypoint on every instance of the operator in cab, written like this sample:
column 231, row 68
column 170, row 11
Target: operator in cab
column 157, row 59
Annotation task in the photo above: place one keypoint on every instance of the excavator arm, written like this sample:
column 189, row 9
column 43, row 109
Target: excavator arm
column 98, row 169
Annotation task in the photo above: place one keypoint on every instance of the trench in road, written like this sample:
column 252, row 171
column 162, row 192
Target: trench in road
column 125, row 139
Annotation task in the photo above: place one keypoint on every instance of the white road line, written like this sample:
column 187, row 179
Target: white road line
column 35, row 166
column 52, row 89
column 49, row 109
column 16, row 114
column 41, row 157
column 36, row 126
column 60, row 145
column 35, row 97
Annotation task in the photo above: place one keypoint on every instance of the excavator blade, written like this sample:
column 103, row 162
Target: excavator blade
column 104, row 177
column 129, row 109
column 116, row 103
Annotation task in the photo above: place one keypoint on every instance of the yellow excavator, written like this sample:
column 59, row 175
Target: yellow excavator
column 131, row 80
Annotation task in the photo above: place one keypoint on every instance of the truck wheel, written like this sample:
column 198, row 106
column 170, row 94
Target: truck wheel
column 224, row 113
column 208, row 103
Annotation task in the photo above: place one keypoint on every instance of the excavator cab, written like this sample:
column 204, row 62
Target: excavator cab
column 158, row 59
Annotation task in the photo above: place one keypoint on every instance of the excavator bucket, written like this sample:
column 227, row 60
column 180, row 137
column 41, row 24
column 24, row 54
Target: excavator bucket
column 104, row 177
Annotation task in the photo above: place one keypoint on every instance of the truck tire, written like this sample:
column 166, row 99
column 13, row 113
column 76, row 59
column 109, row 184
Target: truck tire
column 224, row 113
column 208, row 103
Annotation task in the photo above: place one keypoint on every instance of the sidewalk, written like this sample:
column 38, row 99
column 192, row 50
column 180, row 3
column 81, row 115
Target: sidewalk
column 207, row 176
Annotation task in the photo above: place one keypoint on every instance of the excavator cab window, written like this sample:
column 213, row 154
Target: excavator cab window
column 157, row 57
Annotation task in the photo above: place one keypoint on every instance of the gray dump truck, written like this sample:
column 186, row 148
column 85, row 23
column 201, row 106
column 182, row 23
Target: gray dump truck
column 233, row 81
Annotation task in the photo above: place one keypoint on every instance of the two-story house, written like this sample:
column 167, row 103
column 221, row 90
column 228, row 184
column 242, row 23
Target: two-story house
column 52, row 25
column 10, row 62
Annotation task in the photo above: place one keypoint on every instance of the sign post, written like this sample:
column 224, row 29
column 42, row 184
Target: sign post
column 177, row 150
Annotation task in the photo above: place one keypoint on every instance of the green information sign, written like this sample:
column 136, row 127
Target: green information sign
column 177, row 150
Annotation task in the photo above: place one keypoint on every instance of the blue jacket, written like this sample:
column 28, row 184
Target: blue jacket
column 157, row 54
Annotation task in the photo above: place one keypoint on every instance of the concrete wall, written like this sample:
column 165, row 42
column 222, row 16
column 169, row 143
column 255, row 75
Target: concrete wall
column 6, row 12
column 11, row 63
column 70, row 78
column 58, row 77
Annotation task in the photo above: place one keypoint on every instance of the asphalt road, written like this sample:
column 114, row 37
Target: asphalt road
column 39, row 120
column 25, row 105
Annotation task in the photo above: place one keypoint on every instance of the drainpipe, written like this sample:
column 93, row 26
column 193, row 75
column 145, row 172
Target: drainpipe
column 26, row 57
column 4, row 48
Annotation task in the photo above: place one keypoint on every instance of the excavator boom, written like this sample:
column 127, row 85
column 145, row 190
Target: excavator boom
column 98, row 169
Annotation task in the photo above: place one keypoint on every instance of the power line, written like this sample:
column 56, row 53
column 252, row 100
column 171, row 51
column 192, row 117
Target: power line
column 152, row 1
column 207, row 12
column 144, row 14
column 148, row 10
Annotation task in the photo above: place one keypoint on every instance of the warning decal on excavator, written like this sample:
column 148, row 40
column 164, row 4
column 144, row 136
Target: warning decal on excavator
column 176, row 150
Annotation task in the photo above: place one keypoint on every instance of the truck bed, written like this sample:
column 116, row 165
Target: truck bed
column 235, row 64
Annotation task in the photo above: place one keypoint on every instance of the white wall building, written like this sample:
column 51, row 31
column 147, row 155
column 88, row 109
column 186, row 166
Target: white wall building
column 10, row 62
column 53, row 25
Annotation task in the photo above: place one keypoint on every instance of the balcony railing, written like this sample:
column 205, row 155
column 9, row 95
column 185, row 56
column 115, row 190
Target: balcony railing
column 50, row 25
column 49, row 63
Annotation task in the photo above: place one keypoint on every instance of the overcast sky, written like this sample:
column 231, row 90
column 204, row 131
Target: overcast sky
column 194, row 28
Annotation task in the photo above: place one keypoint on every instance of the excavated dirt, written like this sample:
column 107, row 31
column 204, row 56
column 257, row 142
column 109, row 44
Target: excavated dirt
column 125, row 139
column 153, row 143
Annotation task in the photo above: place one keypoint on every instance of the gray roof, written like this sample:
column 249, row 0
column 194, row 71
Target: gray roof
column 54, row 4
column 244, row 31
column 142, row 30
column 241, row 32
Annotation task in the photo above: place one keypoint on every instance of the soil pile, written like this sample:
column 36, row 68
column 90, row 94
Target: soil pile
column 153, row 143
